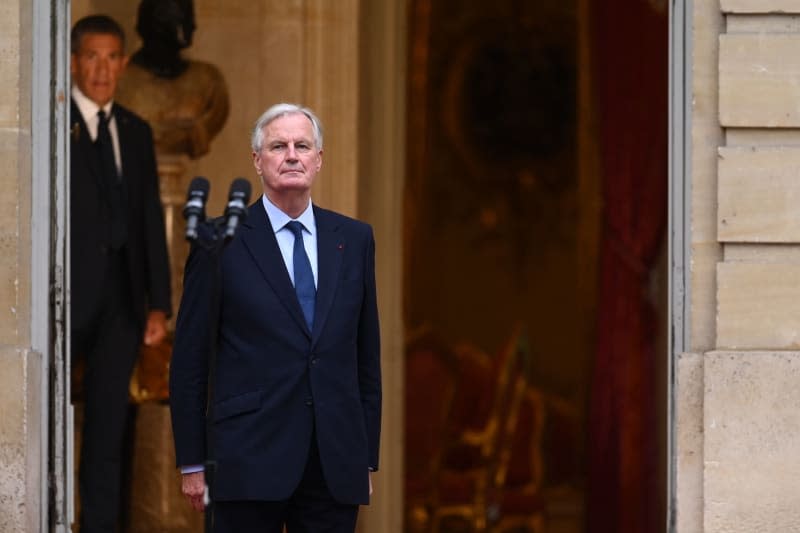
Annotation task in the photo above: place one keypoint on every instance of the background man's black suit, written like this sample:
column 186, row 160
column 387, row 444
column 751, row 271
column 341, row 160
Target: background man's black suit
column 146, row 249
column 111, row 292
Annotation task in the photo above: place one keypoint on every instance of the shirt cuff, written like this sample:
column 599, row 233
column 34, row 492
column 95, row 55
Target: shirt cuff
column 191, row 469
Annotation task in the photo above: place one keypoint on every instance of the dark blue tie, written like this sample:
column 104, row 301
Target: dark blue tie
column 303, row 276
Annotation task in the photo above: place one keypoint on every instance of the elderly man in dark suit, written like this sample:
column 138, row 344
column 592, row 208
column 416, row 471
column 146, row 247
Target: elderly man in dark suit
column 119, row 273
column 296, row 400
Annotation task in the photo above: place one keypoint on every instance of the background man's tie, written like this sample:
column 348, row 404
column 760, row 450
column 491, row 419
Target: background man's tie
column 118, row 227
column 303, row 276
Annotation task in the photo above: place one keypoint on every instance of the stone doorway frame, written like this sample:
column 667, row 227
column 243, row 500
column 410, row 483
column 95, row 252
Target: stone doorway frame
column 679, row 224
column 49, row 29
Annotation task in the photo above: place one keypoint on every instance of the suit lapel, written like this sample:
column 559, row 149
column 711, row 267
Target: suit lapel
column 330, row 248
column 259, row 239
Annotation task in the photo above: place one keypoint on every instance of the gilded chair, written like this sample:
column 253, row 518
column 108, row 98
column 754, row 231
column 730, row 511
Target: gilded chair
column 484, row 398
column 516, row 500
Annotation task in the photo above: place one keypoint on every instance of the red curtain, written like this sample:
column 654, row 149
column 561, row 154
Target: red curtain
column 630, row 46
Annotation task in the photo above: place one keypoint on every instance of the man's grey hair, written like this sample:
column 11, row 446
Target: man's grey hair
column 281, row 110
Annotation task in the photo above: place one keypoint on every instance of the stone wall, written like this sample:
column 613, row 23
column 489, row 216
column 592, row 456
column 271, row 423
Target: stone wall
column 736, row 398
column 20, row 370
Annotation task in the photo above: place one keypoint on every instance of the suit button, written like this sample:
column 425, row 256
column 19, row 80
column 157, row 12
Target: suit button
column 313, row 361
column 309, row 401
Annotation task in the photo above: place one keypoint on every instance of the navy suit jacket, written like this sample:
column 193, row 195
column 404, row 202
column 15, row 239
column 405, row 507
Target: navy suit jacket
column 276, row 381
column 146, row 247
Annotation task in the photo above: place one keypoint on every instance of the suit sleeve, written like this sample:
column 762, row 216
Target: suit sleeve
column 188, row 375
column 369, row 356
column 158, row 274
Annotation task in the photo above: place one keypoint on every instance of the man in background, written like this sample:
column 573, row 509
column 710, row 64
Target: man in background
column 296, row 404
column 119, row 272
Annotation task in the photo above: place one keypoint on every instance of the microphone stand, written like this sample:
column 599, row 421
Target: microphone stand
column 213, row 236
column 211, row 239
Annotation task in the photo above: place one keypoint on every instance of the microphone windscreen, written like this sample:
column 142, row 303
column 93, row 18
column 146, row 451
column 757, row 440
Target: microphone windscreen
column 199, row 186
column 240, row 189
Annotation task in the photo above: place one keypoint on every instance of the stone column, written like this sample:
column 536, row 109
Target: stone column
column 21, row 368
column 381, row 171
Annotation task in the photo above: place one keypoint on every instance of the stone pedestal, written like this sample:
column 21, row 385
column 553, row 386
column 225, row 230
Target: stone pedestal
column 156, row 500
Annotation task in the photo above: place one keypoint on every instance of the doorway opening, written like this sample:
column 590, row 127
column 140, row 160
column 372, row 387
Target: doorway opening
column 536, row 269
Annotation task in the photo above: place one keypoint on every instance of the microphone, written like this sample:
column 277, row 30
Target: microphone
column 236, row 209
column 194, row 211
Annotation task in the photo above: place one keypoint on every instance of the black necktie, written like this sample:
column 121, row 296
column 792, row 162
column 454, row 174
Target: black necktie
column 303, row 276
column 114, row 192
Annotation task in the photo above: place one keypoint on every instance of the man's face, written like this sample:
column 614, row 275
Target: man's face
column 288, row 159
column 97, row 65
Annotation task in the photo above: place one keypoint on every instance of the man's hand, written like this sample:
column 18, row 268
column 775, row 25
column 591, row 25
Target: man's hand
column 156, row 328
column 193, row 487
column 370, row 483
